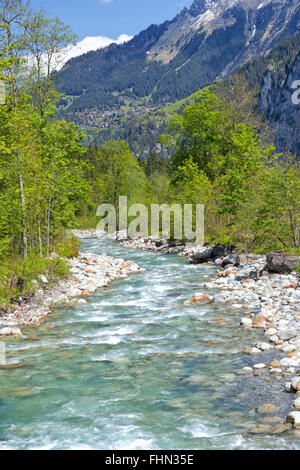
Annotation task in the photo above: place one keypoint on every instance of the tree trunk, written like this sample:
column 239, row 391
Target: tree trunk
column 48, row 227
column 23, row 209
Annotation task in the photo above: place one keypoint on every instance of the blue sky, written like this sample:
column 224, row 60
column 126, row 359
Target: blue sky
column 111, row 17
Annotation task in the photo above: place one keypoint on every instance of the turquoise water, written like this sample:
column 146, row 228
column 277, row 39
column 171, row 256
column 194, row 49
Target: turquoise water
column 136, row 368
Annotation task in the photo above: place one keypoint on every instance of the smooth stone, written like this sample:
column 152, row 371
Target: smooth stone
column 267, row 408
column 297, row 404
column 253, row 351
column 269, row 429
column 294, row 419
column 286, row 335
column 296, row 384
column 264, row 346
column 276, row 371
column 273, row 420
column 247, row 322
column 10, row 332
column 275, row 364
column 271, row 332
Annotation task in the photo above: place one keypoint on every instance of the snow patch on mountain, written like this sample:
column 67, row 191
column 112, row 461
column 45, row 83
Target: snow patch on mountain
column 91, row 43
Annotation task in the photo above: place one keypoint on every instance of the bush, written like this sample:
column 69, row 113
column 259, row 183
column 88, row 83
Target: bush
column 68, row 248
column 17, row 276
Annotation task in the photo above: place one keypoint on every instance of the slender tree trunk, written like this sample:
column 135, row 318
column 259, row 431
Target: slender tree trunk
column 23, row 209
column 40, row 238
column 48, row 227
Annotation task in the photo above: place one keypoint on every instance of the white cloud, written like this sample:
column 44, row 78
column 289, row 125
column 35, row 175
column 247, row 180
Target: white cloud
column 91, row 43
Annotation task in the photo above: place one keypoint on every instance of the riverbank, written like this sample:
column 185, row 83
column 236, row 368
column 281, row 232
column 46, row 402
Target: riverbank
column 89, row 272
column 273, row 304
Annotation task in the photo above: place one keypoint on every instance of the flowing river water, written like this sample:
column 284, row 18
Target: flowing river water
column 137, row 368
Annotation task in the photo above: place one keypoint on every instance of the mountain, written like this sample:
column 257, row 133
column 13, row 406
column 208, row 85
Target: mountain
column 168, row 62
column 281, row 102
column 266, row 77
column 90, row 43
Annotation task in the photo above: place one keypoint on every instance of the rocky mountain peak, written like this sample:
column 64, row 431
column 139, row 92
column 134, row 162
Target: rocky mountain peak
column 201, row 6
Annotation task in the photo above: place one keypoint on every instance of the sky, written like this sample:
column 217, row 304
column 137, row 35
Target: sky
column 111, row 18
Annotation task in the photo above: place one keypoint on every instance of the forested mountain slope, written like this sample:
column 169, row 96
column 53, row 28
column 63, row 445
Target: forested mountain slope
column 264, row 78
column 168, row 62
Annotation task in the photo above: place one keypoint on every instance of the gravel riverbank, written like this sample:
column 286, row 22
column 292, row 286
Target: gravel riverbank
column 89, row 272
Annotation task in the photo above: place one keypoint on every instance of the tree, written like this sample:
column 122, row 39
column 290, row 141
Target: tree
column 227, row 151
column 118, row 173
column 269, row 218
column 46, row 41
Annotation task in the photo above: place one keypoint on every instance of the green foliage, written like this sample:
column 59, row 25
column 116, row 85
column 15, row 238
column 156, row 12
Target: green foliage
column 20, row 277
column 250, row 195
column 224, row 149
column 269, row 217
column 68, row 247
column 193, row 186
column 43, row 189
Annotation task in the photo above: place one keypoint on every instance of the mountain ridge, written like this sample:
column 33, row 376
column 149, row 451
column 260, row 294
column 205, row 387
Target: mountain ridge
column 168, row 62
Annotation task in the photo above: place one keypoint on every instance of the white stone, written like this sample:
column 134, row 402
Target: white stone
column 271, row 332
column 253, row 351
column 288, row 387
column 43, row 279
column 247, row 322
column 264, row 346
column 297, row 404
column 10, row 332
column 276, row 371
column 289, row 348
column 289, row 362
column 294, row 419
column 295, row 381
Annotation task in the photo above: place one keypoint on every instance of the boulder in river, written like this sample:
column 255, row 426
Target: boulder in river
column 282, row 263
column 212, row 253
column 231, row 259
column 10, row 331
column 294, row 419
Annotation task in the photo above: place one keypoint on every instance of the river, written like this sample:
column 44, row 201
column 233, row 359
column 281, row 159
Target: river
column 137, row 368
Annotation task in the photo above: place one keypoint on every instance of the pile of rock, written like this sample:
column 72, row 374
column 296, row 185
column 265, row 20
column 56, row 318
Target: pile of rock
column 273, row 304
column 294, row 387
column 157, row 245
column 89, row 272
column 222, row 255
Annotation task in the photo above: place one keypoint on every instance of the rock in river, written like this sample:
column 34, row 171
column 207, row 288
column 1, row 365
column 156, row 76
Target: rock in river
column 294, row 419
column 282, row 263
